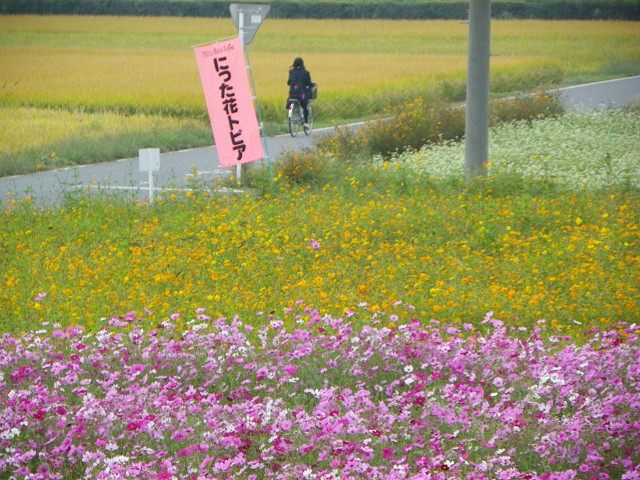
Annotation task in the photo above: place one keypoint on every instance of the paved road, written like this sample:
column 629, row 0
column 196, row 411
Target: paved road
column 176, row 173
column 177, row 168
column 609, row 94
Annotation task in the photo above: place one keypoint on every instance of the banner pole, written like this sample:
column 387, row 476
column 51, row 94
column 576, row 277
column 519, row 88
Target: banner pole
column 244, row 50
column 213, row 41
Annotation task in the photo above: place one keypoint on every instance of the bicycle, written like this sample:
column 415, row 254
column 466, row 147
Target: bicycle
column 295, row 116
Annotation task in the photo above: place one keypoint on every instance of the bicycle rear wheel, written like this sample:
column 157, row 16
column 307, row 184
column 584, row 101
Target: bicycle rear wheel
column 294, row 118
column 309, row 127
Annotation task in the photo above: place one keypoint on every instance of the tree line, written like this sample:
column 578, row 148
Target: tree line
column 547, row 10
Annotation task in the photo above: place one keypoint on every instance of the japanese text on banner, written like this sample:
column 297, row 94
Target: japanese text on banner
column 225, row 82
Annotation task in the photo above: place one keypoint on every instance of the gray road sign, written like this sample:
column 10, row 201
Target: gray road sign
column 248, row 18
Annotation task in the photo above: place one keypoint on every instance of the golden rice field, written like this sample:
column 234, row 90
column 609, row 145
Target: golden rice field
column 111, row 84
column 148, row 62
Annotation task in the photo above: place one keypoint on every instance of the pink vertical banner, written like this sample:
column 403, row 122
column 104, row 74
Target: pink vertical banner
column 223, row 73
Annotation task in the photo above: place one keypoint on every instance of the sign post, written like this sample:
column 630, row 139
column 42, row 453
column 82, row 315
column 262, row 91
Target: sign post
column 149, row 161
column 247, row 19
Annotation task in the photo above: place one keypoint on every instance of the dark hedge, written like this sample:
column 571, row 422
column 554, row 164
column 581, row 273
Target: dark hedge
column 550, row 10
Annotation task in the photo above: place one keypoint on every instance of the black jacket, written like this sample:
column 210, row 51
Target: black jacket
column 299, row 83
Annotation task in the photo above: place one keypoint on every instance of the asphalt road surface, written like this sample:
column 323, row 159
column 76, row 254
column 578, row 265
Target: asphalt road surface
column 178, row 170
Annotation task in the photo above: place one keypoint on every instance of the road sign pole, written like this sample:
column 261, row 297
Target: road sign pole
column 259, row 113
column 248, row 19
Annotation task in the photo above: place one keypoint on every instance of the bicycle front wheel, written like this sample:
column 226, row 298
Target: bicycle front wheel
column 294, row 118
column 309, row 126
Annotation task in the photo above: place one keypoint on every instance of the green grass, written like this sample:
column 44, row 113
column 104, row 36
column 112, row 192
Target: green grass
column 85, row 137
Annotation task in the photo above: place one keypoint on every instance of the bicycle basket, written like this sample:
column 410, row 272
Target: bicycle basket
column 314, row 91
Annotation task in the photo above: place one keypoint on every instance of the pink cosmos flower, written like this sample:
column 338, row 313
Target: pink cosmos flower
column 137, row 368
column 133, row 426
column 315, row 244
column 290, row 369
column 40, row 297
column 356, row 413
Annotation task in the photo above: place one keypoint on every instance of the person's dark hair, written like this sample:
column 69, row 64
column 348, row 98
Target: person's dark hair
column 298, row 63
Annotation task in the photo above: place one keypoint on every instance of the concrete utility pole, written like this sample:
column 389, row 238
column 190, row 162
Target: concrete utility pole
column 477, row 110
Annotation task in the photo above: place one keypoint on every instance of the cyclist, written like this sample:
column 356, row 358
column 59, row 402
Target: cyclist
column 300, row 86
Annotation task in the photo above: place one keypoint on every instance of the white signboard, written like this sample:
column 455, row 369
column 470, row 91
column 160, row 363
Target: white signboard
column 149, row 159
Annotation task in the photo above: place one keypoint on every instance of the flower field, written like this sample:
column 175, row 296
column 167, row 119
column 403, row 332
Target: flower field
column 564, row 248
column 449, row 329
column 327, row 400
column 453, row 330
column 570, row 258
column 576, row 150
